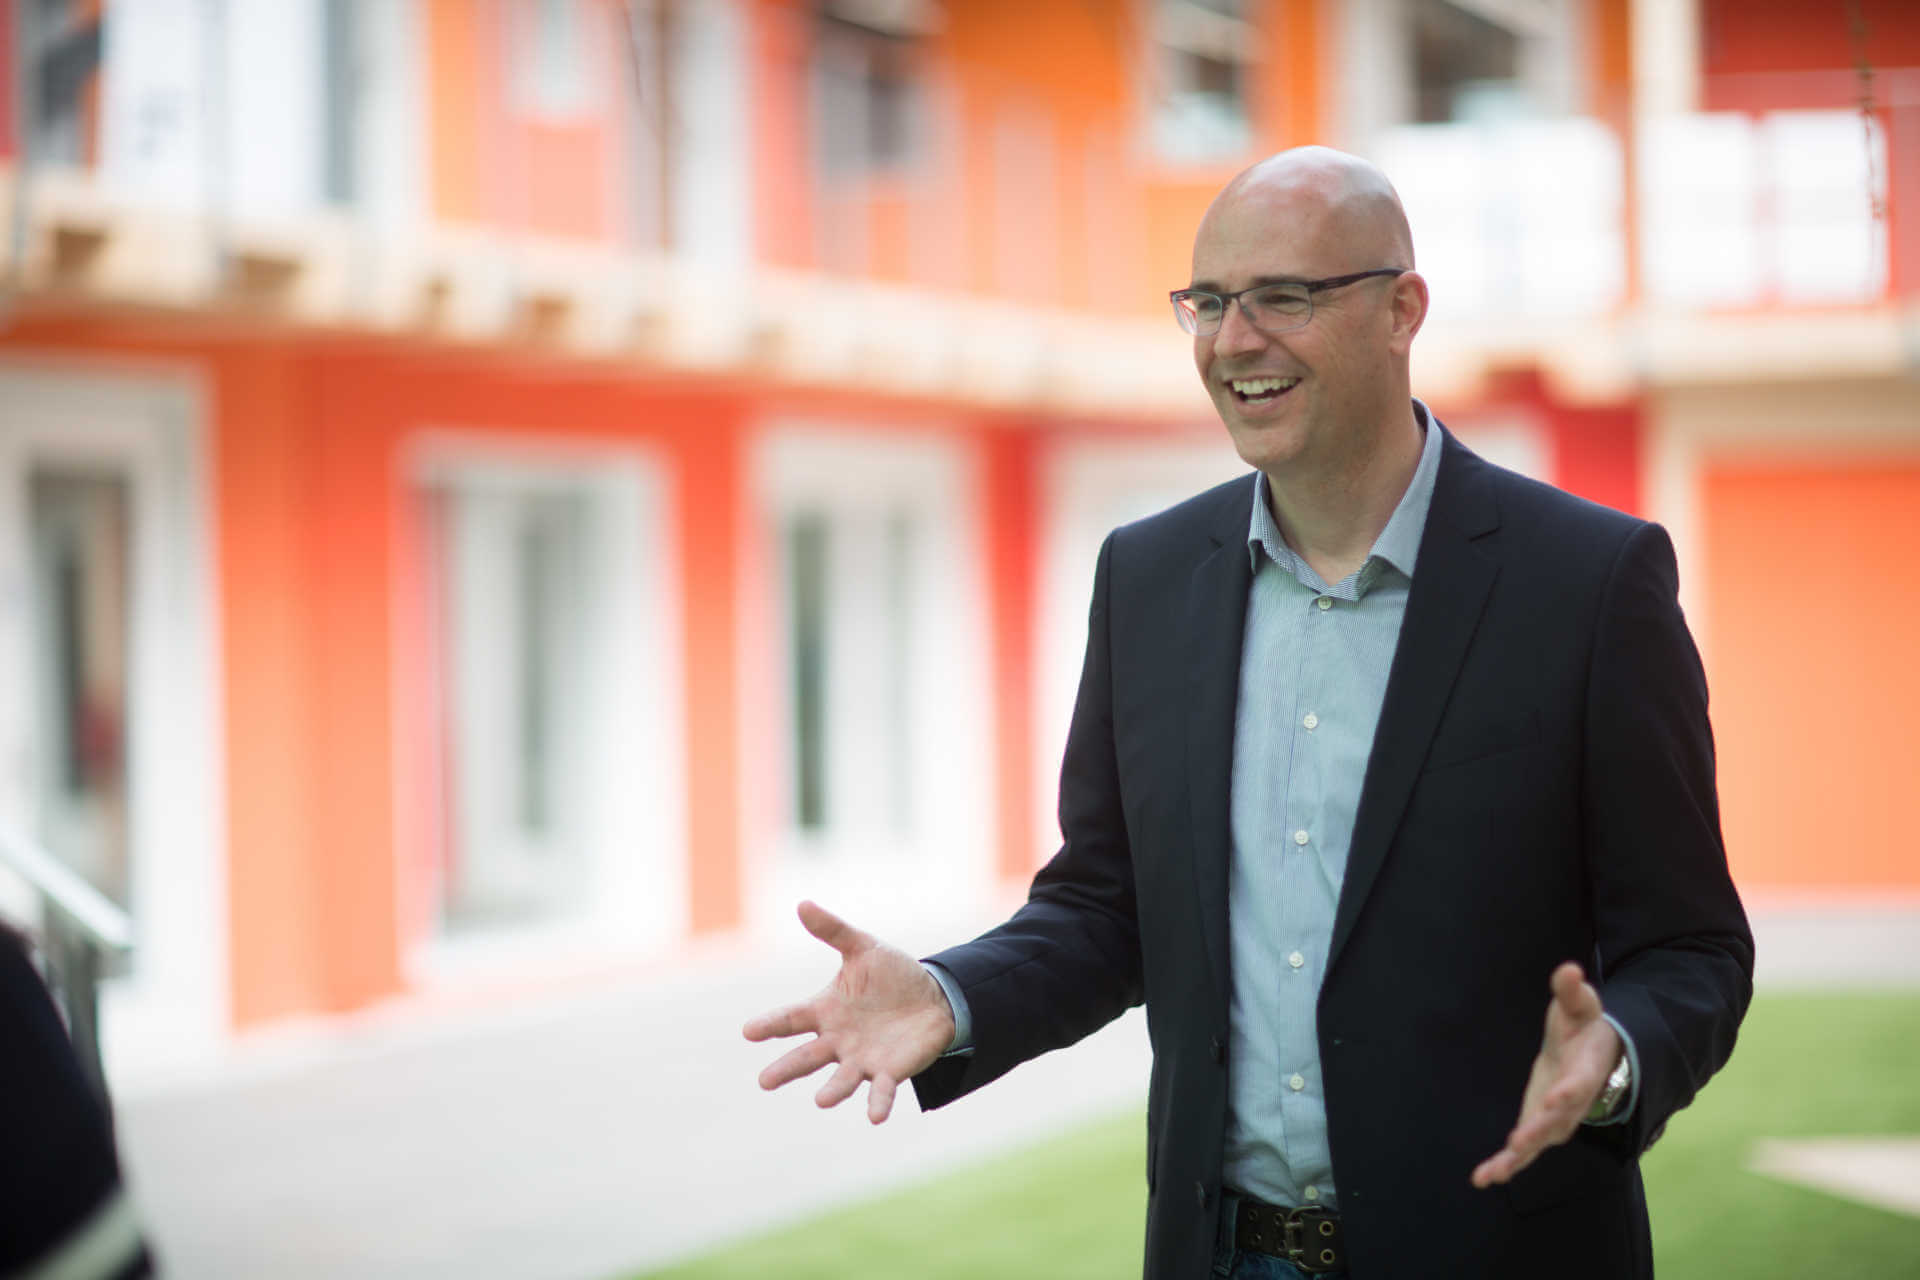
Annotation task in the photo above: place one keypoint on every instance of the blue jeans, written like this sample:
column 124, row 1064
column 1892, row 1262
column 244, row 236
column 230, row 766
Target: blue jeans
column 1234, row 1264
column 1258, row 1266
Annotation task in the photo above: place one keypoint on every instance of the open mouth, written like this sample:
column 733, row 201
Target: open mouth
column 1261, row 390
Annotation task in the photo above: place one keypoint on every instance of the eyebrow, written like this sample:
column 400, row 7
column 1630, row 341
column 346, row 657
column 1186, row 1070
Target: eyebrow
column 1211, row 286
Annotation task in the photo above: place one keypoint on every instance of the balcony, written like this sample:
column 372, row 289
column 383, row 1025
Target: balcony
column 1726, row 246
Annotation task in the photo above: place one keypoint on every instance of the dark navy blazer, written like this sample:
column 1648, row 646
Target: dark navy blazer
column 1541, row 788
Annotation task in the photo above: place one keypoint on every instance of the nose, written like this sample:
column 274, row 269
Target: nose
column 1236, row 333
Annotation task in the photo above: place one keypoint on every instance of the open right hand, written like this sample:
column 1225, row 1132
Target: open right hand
column 883, row 1019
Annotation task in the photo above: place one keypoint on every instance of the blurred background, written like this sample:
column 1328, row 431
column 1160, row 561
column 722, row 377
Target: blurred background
column 499, row 498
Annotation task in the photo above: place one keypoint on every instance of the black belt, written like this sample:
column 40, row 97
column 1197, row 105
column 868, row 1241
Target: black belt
column 1308, row 1237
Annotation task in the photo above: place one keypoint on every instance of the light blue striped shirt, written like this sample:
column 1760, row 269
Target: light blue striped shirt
column 1313, row 673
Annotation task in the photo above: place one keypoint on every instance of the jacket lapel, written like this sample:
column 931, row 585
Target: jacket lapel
column 1451, row 582
column 1216, row 612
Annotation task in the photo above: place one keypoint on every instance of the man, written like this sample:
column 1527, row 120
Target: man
column 1373, row 750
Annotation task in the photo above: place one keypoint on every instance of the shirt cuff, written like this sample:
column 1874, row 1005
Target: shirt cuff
column 962, row 1017
column 1624, row 1110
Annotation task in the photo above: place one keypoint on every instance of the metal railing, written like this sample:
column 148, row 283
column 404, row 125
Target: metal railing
column 80, row 931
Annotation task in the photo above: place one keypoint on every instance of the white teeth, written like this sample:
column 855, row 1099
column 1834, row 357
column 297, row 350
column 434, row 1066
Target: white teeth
column 1261, row 386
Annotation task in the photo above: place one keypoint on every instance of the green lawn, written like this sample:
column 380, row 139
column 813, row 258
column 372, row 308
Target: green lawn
column 1808, row 1065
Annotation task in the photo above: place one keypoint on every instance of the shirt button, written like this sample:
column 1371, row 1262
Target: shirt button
column 1312, row 722
column 1300, row 836
column 1325, row 603
column 1312, row 1193
column 1297, row 1082
column 1296, row 959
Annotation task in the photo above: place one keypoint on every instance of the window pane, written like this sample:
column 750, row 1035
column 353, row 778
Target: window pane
column 82, row 606
column 900, row 538
column 1465, row 67
column 516, row 664
column 807, row 568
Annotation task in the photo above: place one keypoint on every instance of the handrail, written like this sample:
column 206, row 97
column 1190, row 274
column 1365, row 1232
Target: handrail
column 104, row 924
column 85, row 926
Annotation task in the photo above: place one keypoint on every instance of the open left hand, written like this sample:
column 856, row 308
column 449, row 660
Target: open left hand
column 1577, row 1053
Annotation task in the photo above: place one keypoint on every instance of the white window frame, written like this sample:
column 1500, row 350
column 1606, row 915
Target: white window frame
column 635, row 849
column 173, row 1009
column 941, row 868
column 1181, row 26
column 1373, row 59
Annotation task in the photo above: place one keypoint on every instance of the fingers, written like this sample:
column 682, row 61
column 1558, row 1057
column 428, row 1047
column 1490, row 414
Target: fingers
column 832, row 930
column 1574, row 994
column 1524, row 1146
column 839, row 1086
column 1546, row 1122
column 880, row 1098
column 1496, row 1169
column 793, row 1020
column 1575, row 1055
column 803, row 1061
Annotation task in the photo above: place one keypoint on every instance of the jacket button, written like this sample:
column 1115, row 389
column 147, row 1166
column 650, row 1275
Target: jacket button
column 1219, row 1049
column 1201, row 1195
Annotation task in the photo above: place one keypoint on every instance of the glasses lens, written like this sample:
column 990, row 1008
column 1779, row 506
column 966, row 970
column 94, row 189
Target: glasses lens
column 1198, row 312
column 1278, row 306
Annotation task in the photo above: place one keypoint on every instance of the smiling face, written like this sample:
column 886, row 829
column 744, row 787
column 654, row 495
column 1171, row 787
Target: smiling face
column 1315, row 398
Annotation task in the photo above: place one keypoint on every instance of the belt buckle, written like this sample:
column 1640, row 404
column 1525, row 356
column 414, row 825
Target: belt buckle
column 1309, row 1235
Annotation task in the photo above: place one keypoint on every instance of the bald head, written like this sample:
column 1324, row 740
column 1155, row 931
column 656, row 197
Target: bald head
column 1336, row 203
column 1322, row 389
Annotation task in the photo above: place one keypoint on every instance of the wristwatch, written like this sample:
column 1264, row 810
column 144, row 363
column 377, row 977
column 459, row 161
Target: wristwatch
column 1618, row 1082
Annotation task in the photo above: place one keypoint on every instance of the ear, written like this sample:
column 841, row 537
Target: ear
column 1408, row 307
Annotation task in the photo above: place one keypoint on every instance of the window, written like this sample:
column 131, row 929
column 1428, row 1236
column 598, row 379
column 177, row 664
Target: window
column 1204, row 52
column 1480, row 61
column 514, row 600
column 1464, row 67
column 868, row 103
column 80, row 521
column 850, row 607
column 542, row 792
column 61, row 42
column 553, row 74
column 872, row 717
column 109, row 702
column 341, row 75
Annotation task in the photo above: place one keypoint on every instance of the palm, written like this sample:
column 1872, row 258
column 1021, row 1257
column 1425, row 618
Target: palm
column 882, row 1019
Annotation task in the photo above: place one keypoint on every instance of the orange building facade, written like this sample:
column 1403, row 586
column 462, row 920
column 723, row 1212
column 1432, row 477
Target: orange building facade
column 497, row 490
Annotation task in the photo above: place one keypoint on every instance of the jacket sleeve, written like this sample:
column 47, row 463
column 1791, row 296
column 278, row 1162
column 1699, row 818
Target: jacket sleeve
column 1068, row 962
column 1675, row 954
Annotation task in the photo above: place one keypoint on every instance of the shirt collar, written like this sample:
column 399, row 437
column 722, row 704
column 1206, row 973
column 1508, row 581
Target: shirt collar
column 1398, row 543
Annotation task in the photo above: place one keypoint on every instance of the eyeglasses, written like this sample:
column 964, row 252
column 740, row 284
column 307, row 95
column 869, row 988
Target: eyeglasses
column 1270, row 308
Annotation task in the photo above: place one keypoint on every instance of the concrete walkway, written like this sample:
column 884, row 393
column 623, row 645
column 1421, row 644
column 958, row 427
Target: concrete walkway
column 592, row 1136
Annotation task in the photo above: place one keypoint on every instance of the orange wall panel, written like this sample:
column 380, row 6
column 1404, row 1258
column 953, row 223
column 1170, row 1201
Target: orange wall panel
column 710, row 498
column 351, row 594
column 1287, row 106
column 454, row 78
column 1010, row 516
column 1813, row 603
column 1174, row 209
column 1738, row 36
column 261, row 466
column 1075, row 58
column 782, row 135
column 565, row 180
